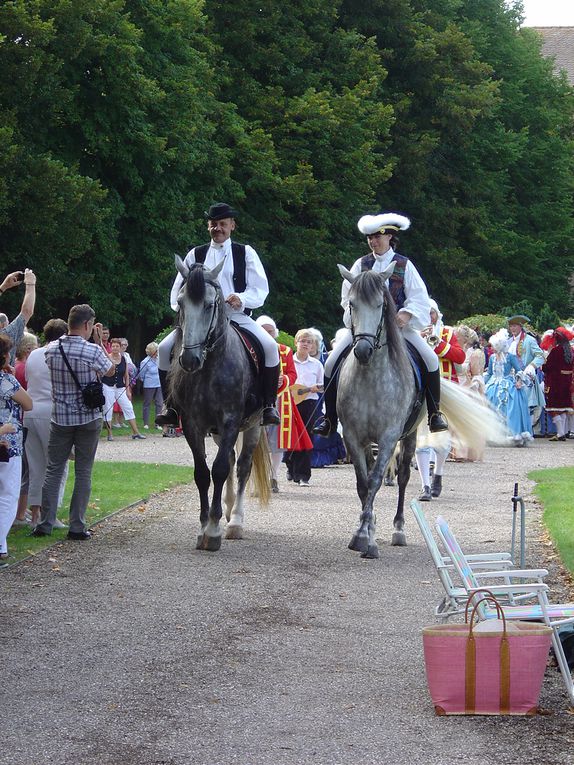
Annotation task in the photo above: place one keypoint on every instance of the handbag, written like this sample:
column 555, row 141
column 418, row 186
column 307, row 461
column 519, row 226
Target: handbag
column 495, row 668
column 92, row 393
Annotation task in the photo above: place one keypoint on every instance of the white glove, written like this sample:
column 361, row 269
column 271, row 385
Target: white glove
column 530, row 371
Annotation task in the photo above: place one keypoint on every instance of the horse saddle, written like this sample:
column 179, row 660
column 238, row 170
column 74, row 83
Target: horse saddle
column 251, row 345
column 417, row 365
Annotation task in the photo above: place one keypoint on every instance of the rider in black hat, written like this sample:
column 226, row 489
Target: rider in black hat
column 245, row 287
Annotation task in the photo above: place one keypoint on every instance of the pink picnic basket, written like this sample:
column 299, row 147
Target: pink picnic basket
column 488, row 670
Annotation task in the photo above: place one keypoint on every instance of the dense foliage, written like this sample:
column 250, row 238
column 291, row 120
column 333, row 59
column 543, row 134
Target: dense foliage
column 122, row 120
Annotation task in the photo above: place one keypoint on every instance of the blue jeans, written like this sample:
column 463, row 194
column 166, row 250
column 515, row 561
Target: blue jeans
column 84, row 440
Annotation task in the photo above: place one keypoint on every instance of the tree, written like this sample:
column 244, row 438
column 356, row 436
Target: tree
column 311, row 90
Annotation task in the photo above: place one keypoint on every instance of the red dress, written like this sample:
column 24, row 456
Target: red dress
column 291, row 434
column 558, row 380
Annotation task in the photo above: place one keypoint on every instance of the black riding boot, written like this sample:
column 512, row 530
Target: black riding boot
column 437, row 421
column 329, row 423
column 270, row 414
column 168, row 415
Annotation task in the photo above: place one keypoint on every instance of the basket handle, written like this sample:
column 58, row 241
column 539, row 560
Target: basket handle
column 491, row 598
column 470, row 660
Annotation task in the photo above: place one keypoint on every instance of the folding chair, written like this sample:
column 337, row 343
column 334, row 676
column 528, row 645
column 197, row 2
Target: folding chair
column 553, row 615
column 455, row 597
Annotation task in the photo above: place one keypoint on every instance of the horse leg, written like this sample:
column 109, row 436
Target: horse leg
column 359, row 457
column 368, row 519
column 230, row 487
column 408, row 446
column 212, row 533
column 235, row 526
column 230, row 482
column 201, row 472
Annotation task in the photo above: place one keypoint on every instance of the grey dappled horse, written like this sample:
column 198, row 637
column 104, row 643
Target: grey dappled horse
column 214, row 386
column 375, row 397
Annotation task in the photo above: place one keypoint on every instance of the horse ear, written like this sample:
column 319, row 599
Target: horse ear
column 181, row 267
column 345, row 273
column 388, row 270
column 214, row 273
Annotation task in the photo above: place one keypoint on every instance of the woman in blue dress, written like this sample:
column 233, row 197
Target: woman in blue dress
column 506, row 391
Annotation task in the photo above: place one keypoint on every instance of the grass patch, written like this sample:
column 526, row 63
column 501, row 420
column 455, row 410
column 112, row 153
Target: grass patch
column 555, row 489
column 114, row 485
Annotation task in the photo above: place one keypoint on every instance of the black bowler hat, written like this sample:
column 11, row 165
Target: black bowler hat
column 220, row 210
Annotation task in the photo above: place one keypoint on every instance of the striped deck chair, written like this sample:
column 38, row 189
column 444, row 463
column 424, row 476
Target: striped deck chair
column 554, row 615
column 483, row 565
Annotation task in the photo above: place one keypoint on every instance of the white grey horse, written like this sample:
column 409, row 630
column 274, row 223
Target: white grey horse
column 378, row 398
column 376, row 395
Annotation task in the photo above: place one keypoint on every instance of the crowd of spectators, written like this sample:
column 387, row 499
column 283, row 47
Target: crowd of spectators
column 44, row 420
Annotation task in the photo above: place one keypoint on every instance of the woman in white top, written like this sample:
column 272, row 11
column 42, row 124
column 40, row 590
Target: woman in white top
column 309, row 376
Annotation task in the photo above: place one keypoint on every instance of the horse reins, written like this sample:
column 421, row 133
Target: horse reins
column 206, row 345
column 374, row 340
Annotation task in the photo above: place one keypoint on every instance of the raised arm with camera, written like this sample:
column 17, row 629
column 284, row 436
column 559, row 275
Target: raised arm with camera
column 28, row 277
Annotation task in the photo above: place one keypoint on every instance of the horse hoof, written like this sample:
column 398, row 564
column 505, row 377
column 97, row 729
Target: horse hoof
column 359, row 544
column 211, row 544
column 234, row 532
column 399, row 539
column 372, row 552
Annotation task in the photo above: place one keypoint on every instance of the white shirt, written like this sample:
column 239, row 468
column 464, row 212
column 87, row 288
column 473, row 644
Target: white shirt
column 257, row 287
column 39, row 385
column 309, row 372
column 417, row 297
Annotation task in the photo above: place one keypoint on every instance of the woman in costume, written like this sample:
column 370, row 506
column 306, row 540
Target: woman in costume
column 471, row 377
column 410, row 295
column 505, row 389
column 558, row 371
column 291, row 434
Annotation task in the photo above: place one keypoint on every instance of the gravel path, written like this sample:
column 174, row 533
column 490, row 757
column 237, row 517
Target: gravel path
column 281, row 649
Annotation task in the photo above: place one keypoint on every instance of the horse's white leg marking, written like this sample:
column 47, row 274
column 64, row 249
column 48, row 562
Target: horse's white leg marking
column 236, row 521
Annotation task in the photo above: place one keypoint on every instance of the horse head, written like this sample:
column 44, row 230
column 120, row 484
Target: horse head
column 369, row 304
column 201, row 313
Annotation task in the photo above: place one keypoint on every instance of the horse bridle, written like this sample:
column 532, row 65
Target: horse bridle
column 206, row 345
column 374, row 340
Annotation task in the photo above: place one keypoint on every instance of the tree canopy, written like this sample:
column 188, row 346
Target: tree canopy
column 122, row 120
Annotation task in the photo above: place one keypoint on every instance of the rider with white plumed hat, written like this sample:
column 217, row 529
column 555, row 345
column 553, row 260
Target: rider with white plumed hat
column 412, row 301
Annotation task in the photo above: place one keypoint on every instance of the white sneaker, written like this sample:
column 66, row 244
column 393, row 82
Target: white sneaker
column 116, row 425
column 146, row 427
column 304, row 483
column 58, row 524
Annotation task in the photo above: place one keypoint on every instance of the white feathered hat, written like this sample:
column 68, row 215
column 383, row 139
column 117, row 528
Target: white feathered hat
column 384, row 223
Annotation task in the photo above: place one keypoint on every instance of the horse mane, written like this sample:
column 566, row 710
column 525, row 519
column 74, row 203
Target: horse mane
column 368, row 287
column 195, row 283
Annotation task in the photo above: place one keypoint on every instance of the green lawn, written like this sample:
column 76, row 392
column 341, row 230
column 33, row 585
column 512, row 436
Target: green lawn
column 555, row 489
column 114, row 485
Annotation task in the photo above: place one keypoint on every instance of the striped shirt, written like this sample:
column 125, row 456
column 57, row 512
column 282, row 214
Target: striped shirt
column 87, row 360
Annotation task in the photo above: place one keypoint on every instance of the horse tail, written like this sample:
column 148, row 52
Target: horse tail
column 261, row 469
column 473, row 421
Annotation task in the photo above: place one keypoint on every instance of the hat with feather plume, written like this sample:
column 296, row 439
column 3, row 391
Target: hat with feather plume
column 383, row 223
